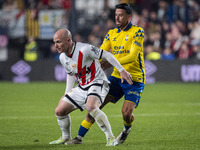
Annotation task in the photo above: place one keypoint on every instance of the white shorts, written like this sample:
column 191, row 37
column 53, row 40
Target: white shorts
column 78, row 96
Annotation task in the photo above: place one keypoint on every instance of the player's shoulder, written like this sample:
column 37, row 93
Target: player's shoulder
column 81, row 45
column 113, row 30
column 62, row 56
column 84, row 47
column 137, row 28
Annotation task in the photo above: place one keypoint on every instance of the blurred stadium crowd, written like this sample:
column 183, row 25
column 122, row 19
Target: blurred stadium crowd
column 172, row 27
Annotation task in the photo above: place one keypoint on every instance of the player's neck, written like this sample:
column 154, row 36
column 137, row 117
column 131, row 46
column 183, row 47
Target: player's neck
column 124, row 26
column 71, row 48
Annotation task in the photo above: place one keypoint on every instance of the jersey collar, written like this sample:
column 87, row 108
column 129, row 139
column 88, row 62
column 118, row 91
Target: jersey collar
column 127, row 28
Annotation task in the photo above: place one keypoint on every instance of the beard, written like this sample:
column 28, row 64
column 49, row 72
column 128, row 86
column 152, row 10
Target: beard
column 121, row 25
column 118, row 23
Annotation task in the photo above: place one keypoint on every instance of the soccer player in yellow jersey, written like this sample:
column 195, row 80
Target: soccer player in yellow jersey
column 126, row 43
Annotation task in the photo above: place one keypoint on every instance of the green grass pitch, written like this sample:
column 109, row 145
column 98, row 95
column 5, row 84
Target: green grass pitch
column 168, row 118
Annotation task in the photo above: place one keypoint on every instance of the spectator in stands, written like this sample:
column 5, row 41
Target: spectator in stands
column 150, row 54
column 154, row 40
column 177, row 38
column 107, row 13
column 94, row 40
column 95, row 37
column 194, row 11
column 77, row 37
column 166, row 23
column 178, row 10
column 164, row 31
column 168, row 40
column 53, row 52
column 181, row 26
column 31, row 50
column 97, row 31
column 153, row 17
column 162, row 10
column 195, row 32
column 183, row 52
column 9, row 5
column 143, row 21
column 196, row 52
column 109, row 25
column 167, row 54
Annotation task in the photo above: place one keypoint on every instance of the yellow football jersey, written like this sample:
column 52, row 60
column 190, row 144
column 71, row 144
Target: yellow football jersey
column 127, row 48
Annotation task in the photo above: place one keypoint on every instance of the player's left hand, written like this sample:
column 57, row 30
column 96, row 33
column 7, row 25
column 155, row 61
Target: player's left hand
column 126, row 75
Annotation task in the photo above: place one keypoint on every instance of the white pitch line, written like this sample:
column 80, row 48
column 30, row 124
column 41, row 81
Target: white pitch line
column 25, row 117
column 161, row 114
column 114, row 116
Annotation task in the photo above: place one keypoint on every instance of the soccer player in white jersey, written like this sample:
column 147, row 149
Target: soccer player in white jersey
column 81, row 61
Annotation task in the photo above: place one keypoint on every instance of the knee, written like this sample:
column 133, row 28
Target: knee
column 89, row 108
column 59, row 112
column 92, row 103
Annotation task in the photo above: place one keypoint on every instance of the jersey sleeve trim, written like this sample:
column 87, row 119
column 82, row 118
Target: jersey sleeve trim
column 101, row 54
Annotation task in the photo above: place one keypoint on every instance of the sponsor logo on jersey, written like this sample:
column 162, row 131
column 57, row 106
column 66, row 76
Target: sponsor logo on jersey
column 74, row 66
column 95, row 50
column 120, row 50
column 118, row 47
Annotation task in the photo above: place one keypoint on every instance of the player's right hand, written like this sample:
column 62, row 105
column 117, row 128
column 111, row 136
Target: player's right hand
column 127, row 76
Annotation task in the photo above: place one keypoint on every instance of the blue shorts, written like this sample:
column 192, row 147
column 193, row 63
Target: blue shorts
column 131, row 92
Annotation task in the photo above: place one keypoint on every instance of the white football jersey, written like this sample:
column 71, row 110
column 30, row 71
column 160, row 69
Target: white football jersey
column 84, row 64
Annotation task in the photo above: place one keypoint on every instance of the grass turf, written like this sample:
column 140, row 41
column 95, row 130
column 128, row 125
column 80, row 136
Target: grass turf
column 168, row 118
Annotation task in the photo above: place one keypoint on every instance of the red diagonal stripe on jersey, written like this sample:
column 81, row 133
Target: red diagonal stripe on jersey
column 81, row 71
